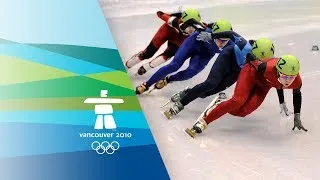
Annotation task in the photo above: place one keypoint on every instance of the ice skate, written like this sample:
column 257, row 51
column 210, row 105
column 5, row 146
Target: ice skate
column 135, row 59
column 162, row 83
column 174, row 110
column 179, row 95
column 176, row 97
column 197, row 128
column 200, row 125
column 141, row 88
column 159, row 85
column 217, row 100
column 141, row 71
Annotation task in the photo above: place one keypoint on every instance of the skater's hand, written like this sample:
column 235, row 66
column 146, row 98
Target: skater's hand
column 297, row 123
column 160, row 13
column 284, row 109
column 204, row 36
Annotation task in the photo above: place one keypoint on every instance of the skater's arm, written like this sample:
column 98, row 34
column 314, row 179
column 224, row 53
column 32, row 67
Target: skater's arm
column 193, row 23
column 178, row 14
column 170, row 20
column 209, row 36
column 297, row 97
column 280, row 95
column 282, row 104
column 233, row 36
column 297, row 100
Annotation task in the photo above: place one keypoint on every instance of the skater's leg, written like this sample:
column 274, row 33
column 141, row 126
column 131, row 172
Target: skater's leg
column 157, row 41
column 196, row 65
column 171, row 50
column 226, row 83
column 186, row 50
column 220, row 69
column 173, row 66
column 243, row 89
column 253, row 102
column 160, row 59
column 166, row 55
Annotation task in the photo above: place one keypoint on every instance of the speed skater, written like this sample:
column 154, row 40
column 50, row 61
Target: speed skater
column 255, row 80
column 174, row 31
column 199, row 52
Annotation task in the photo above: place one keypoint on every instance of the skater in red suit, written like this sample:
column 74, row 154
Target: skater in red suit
column 175, row 30
column 255, row 80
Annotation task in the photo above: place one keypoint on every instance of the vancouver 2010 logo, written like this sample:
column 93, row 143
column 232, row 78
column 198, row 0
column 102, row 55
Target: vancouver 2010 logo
column 105, row 147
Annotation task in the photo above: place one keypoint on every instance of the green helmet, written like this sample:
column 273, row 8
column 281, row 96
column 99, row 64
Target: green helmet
column 221, row 25
column 263, row 48
column 288, row 65
column 191, row 13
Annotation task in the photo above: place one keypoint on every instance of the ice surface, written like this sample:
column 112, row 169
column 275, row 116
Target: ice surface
column 261, row 145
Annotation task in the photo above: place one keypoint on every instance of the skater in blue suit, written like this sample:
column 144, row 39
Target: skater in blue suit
column 199, row 52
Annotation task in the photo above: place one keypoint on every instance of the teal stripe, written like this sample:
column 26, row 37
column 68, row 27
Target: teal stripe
column 52, row 59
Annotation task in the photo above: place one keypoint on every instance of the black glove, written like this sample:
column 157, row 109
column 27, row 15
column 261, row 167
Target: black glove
column 297, row 123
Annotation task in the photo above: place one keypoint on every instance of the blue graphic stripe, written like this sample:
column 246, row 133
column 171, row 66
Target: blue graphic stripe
column 142, row 162
column 127, row 119
column 37, row 21
column 52, row 59
column 33, row 139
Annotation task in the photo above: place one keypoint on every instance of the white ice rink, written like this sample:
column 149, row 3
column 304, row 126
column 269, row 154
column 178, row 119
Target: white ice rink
column 259, row 146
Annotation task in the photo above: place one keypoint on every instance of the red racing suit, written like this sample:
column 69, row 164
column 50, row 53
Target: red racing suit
column 254, row 82
column 169, row 31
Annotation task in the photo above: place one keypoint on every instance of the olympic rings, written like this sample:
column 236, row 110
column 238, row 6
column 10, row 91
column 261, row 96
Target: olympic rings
column 105, row 147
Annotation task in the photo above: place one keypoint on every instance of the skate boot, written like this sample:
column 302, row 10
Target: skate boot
column 179, row 95
column 176, row 97
column 197, row 128
column 135, row 59
column 216, row 101
column 142, row 70
column 142, row 88
column 162, row 83
column 174, row 110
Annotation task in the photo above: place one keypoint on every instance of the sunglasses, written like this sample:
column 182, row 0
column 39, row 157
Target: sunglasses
column 287, row 77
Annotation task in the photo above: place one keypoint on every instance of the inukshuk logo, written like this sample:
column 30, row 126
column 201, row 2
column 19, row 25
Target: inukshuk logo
column 103, row 110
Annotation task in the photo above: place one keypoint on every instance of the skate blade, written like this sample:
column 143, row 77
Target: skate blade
column 190, row 133
column 150, row 91
column 168, row 115
column 165, row 104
